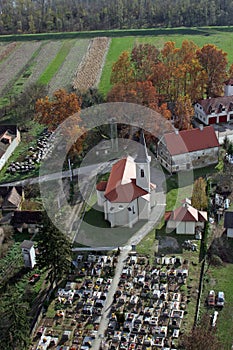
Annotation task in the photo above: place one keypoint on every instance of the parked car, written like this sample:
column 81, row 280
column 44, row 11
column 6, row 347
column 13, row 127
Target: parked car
column 34, row 278
column 220, row 299
column 211, row 298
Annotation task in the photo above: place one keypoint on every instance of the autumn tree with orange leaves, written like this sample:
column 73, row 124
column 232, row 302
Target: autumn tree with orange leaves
column 53, row 112
column 214, row 62
column 122, row 70
column 183, row 113
column 144, row 57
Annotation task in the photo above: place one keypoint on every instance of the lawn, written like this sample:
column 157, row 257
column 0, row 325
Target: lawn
column 27, row 139
column 220, row 279
column 95, row 231
column 214, row 36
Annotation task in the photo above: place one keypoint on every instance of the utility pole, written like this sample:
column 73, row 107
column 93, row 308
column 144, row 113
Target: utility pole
column 113, row 135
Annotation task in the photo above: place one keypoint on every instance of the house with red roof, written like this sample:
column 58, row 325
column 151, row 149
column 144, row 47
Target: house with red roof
column 188, row 149
column 185, row 219
column 128, row 195
column 216, row 110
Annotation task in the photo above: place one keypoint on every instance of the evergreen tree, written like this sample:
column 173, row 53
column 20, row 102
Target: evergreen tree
column 14, row 325
column 54, row 251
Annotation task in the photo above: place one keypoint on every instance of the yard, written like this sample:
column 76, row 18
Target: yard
column 220, row 279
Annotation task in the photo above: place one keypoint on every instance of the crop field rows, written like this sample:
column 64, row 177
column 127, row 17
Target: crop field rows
column 12, row 66
column 53, row 63
column 89, row 71
column 65, row 75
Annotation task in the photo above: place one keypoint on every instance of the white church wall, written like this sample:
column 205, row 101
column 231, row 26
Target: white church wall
column 144, row 209
column 100, row 198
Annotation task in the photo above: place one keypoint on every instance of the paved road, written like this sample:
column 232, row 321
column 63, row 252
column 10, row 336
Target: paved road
column 89, row 170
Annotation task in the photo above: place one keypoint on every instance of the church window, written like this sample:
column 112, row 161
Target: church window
column 142, row 173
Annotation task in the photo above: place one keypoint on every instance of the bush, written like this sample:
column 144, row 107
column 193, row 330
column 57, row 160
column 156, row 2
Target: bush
column 216, row 261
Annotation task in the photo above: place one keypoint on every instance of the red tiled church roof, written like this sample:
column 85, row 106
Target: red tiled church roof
column 115, row 190
column 191, row 140
column 118, row 192
column 101, row 186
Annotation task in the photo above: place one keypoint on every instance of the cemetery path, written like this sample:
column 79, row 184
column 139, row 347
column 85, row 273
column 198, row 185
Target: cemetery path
column 107, row 307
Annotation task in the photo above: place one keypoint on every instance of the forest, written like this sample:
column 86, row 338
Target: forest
column 39, row 16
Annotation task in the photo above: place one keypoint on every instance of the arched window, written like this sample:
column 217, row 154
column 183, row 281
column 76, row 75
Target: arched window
column 142, row 173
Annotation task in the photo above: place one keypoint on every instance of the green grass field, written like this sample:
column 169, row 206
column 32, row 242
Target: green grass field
column 54, row 66
column 220, row 279
column 216, row 36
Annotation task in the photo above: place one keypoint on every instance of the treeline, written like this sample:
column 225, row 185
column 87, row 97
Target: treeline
column 38, row 16
column 171, row 79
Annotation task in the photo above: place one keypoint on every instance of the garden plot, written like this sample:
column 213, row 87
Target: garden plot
column 47, row 53
column 5, row 50
column 90, row 69
column 66, row 73
column 16, row 61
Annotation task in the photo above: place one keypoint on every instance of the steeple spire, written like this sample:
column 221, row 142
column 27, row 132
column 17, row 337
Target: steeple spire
column 142, row 155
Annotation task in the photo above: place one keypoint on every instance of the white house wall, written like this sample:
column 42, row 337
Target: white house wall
column 205, row 118
column 9, row 151
column 190, row 160
column 230, row 232
column 185, row 228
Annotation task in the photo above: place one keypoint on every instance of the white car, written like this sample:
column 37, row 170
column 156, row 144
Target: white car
column 220, row 299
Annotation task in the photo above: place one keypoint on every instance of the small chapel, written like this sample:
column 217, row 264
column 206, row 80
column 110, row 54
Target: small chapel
column 128, row 195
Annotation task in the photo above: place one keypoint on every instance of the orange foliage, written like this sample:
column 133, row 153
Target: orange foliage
column 122, row 70
column 54, row 112
column 143, row 93
column 214, row 62
column 184, row 112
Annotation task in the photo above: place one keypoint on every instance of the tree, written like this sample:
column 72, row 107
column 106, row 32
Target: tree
column 143, row 93
column 191, row 78
column 24, row 103
column 54, row 251
column 184, row 113
column 14, row 325
column 202, row 335
column 144, row 57
column 54, row 112
column 122, row 70
column 199, row 196
column 90, row 97
column 214, row 62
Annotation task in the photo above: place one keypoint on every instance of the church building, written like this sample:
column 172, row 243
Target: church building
column 128, row 195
